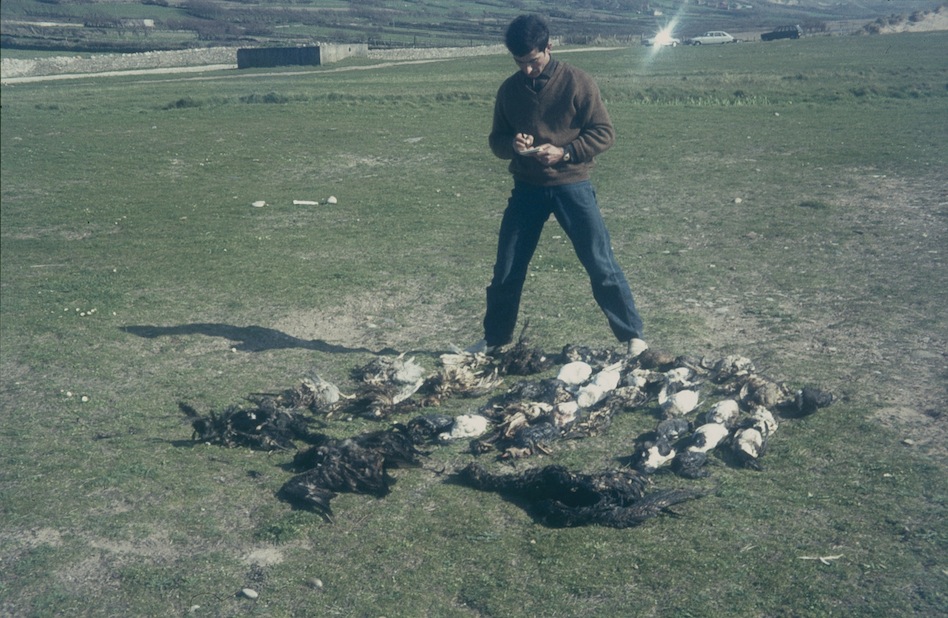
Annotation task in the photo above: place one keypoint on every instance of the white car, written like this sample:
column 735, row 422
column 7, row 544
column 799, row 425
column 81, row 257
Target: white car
column 711, row 38
column 661, row 40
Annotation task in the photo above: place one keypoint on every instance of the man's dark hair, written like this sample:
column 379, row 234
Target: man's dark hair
column 527, row 33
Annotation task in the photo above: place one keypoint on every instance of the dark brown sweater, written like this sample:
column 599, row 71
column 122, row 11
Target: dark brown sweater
column 567, row 111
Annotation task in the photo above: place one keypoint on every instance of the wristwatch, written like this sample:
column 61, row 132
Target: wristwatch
column 566, row 156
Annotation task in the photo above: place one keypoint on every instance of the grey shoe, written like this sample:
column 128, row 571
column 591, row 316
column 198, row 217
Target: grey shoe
column 480, row 347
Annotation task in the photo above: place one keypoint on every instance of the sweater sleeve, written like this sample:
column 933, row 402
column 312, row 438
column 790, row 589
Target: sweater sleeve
column 596, row 133
column 502, row 133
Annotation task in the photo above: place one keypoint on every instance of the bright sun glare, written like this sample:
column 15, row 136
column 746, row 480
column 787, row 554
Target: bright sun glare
column 664, row 37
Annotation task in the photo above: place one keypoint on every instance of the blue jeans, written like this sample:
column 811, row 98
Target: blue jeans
column 577, row 211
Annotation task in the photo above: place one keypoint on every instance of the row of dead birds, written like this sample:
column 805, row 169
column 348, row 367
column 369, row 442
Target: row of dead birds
column 741, row 407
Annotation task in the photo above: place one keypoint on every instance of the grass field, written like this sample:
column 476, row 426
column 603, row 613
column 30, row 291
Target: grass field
column 785, row 202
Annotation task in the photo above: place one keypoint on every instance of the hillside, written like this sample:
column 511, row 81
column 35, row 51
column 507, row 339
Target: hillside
column 150, row 25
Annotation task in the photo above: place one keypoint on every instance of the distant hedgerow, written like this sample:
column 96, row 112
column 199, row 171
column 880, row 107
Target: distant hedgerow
column 183, row 103
column 270, row 97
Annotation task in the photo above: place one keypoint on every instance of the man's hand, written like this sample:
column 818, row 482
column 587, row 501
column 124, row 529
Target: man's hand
column 521, row 142
column 548, row 154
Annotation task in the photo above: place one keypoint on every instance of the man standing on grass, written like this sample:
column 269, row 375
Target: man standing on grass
column 550, row 122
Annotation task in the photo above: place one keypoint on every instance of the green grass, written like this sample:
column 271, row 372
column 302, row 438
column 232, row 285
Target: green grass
column 118, row 198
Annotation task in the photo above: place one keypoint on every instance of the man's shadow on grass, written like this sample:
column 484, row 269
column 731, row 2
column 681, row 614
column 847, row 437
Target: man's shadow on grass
column 249, row 338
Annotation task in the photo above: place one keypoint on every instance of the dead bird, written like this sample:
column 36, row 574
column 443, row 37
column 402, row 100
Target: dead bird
column 646, row 380
column 317, row 394
column 656, row 360
column 749, row 445
column 763, row 421
column 707, row 437
column 265, row 426
column 690, row 464
column 694, row 449
column 426, row 428
column 761, row 390
column 397, row 377
column 724, row 412
column 650, row 455
column 523, row 360
column 626, row 398
column 377, row 402
column 681, row 377
column 550, row 391
column 676, row 403
column 314, row 393
column 574, row 373
column 466, row 426
column 556, row 497
column 749, row 442
column 359, row 464
column 806, row 401
column 395, row 445
column 531, row 439
column 673, row 429
column 599, row 386
column 595, row 357
column 731, row 369
column 462, row 375
column 521, row 414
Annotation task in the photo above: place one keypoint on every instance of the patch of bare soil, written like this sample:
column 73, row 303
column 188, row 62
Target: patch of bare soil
column 377, row 320
column 884, row 331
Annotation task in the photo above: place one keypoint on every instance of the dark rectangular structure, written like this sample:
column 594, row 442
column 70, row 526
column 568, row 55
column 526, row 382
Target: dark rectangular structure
column 277, row 57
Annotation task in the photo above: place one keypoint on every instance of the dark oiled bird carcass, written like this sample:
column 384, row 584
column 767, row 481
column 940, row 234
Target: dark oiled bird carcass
column 531, row 439
column 523, row 360
column 806, row 401
column 549, row 391
column 558, row 498
column 427, row 428
column 359, row 464
column 264, row 426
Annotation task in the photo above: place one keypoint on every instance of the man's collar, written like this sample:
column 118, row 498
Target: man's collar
column 542, row 77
